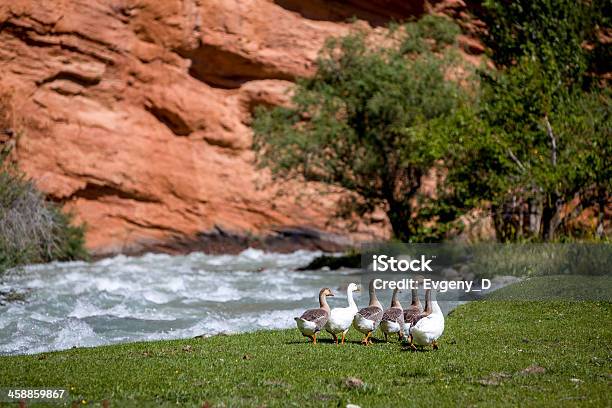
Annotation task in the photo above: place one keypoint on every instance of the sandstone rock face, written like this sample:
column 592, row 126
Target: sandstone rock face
column 135, row 113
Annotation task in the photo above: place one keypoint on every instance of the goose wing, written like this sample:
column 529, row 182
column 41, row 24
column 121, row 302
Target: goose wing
column 411, row 313
column 393, row 314
column 317, row 316
column 418, row 316
column 371, row 313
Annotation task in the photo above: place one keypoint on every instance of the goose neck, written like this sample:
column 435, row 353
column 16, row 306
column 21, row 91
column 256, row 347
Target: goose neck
column 428, row 301
column 349, row 297
column 323, row 302
column 373, row 298
column 415, row 298
column 435, row 308
column 394, row 300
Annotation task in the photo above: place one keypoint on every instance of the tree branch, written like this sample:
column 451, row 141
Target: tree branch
column 553, row 140
column 516, row 160
column 512, row 156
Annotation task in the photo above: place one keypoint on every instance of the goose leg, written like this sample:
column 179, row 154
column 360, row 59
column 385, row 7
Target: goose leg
column 314, row 339
column 411, row 344
column 343, row 334
column 434, row 345
column 335, row 338
column 367, row 338
column 386, row 340
column 311, row 339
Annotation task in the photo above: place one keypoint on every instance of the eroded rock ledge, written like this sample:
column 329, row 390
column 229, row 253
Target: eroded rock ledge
column 135, row 114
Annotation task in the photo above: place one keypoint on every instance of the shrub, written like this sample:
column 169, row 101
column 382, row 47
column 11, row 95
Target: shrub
column 32, row 230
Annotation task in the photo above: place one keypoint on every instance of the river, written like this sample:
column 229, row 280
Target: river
column 158, row 296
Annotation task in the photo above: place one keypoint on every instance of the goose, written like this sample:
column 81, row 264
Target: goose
column 340, row 318
column 393, row 318
column 312, row 321
column 416, row 317
column 427, row 328
column 367, row 319
column 410, row 313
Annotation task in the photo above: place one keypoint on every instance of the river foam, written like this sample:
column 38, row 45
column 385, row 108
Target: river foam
column 157, row 296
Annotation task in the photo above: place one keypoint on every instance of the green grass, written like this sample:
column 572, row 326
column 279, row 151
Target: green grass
column 558, row 287
column 484, row 351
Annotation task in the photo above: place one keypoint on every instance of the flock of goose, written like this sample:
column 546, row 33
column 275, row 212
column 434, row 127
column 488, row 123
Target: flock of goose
column 420, row 327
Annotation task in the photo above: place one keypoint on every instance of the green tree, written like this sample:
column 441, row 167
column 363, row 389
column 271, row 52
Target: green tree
column 552, row 31
column 540, row 137
column 368, row 120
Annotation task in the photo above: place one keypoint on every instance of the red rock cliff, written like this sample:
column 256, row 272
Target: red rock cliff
column 135, row 113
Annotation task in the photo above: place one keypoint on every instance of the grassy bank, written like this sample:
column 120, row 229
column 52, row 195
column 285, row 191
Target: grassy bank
column 493, row 352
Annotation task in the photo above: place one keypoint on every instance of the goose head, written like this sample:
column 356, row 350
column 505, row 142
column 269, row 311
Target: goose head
column 353, row 287
column 326, row 292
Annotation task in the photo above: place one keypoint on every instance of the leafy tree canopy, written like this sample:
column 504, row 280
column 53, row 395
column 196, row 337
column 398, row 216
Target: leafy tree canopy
column 369, row 119
column 540, row 137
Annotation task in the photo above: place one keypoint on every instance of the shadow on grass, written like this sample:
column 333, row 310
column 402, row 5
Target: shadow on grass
column 328, row 340
column 307, row 341
column 331, row 341
column 417, row 350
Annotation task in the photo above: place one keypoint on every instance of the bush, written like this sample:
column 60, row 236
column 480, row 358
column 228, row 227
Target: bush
column 33, row 230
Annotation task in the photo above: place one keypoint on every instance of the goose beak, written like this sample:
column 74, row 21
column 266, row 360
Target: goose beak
column 331, row 293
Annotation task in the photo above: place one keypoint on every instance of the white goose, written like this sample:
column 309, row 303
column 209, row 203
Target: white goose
column 367, row 319
column 393, row 318
column 312, row 321
column 340, row 318
column 429, row 326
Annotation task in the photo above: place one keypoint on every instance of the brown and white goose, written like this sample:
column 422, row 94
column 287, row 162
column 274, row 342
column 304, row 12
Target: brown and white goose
column 368, row 319
column 312, row 321
column 393, row 318
column 411, row 312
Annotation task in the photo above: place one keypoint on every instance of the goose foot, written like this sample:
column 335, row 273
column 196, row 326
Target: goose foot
column 367, row 340
column 411, row 344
